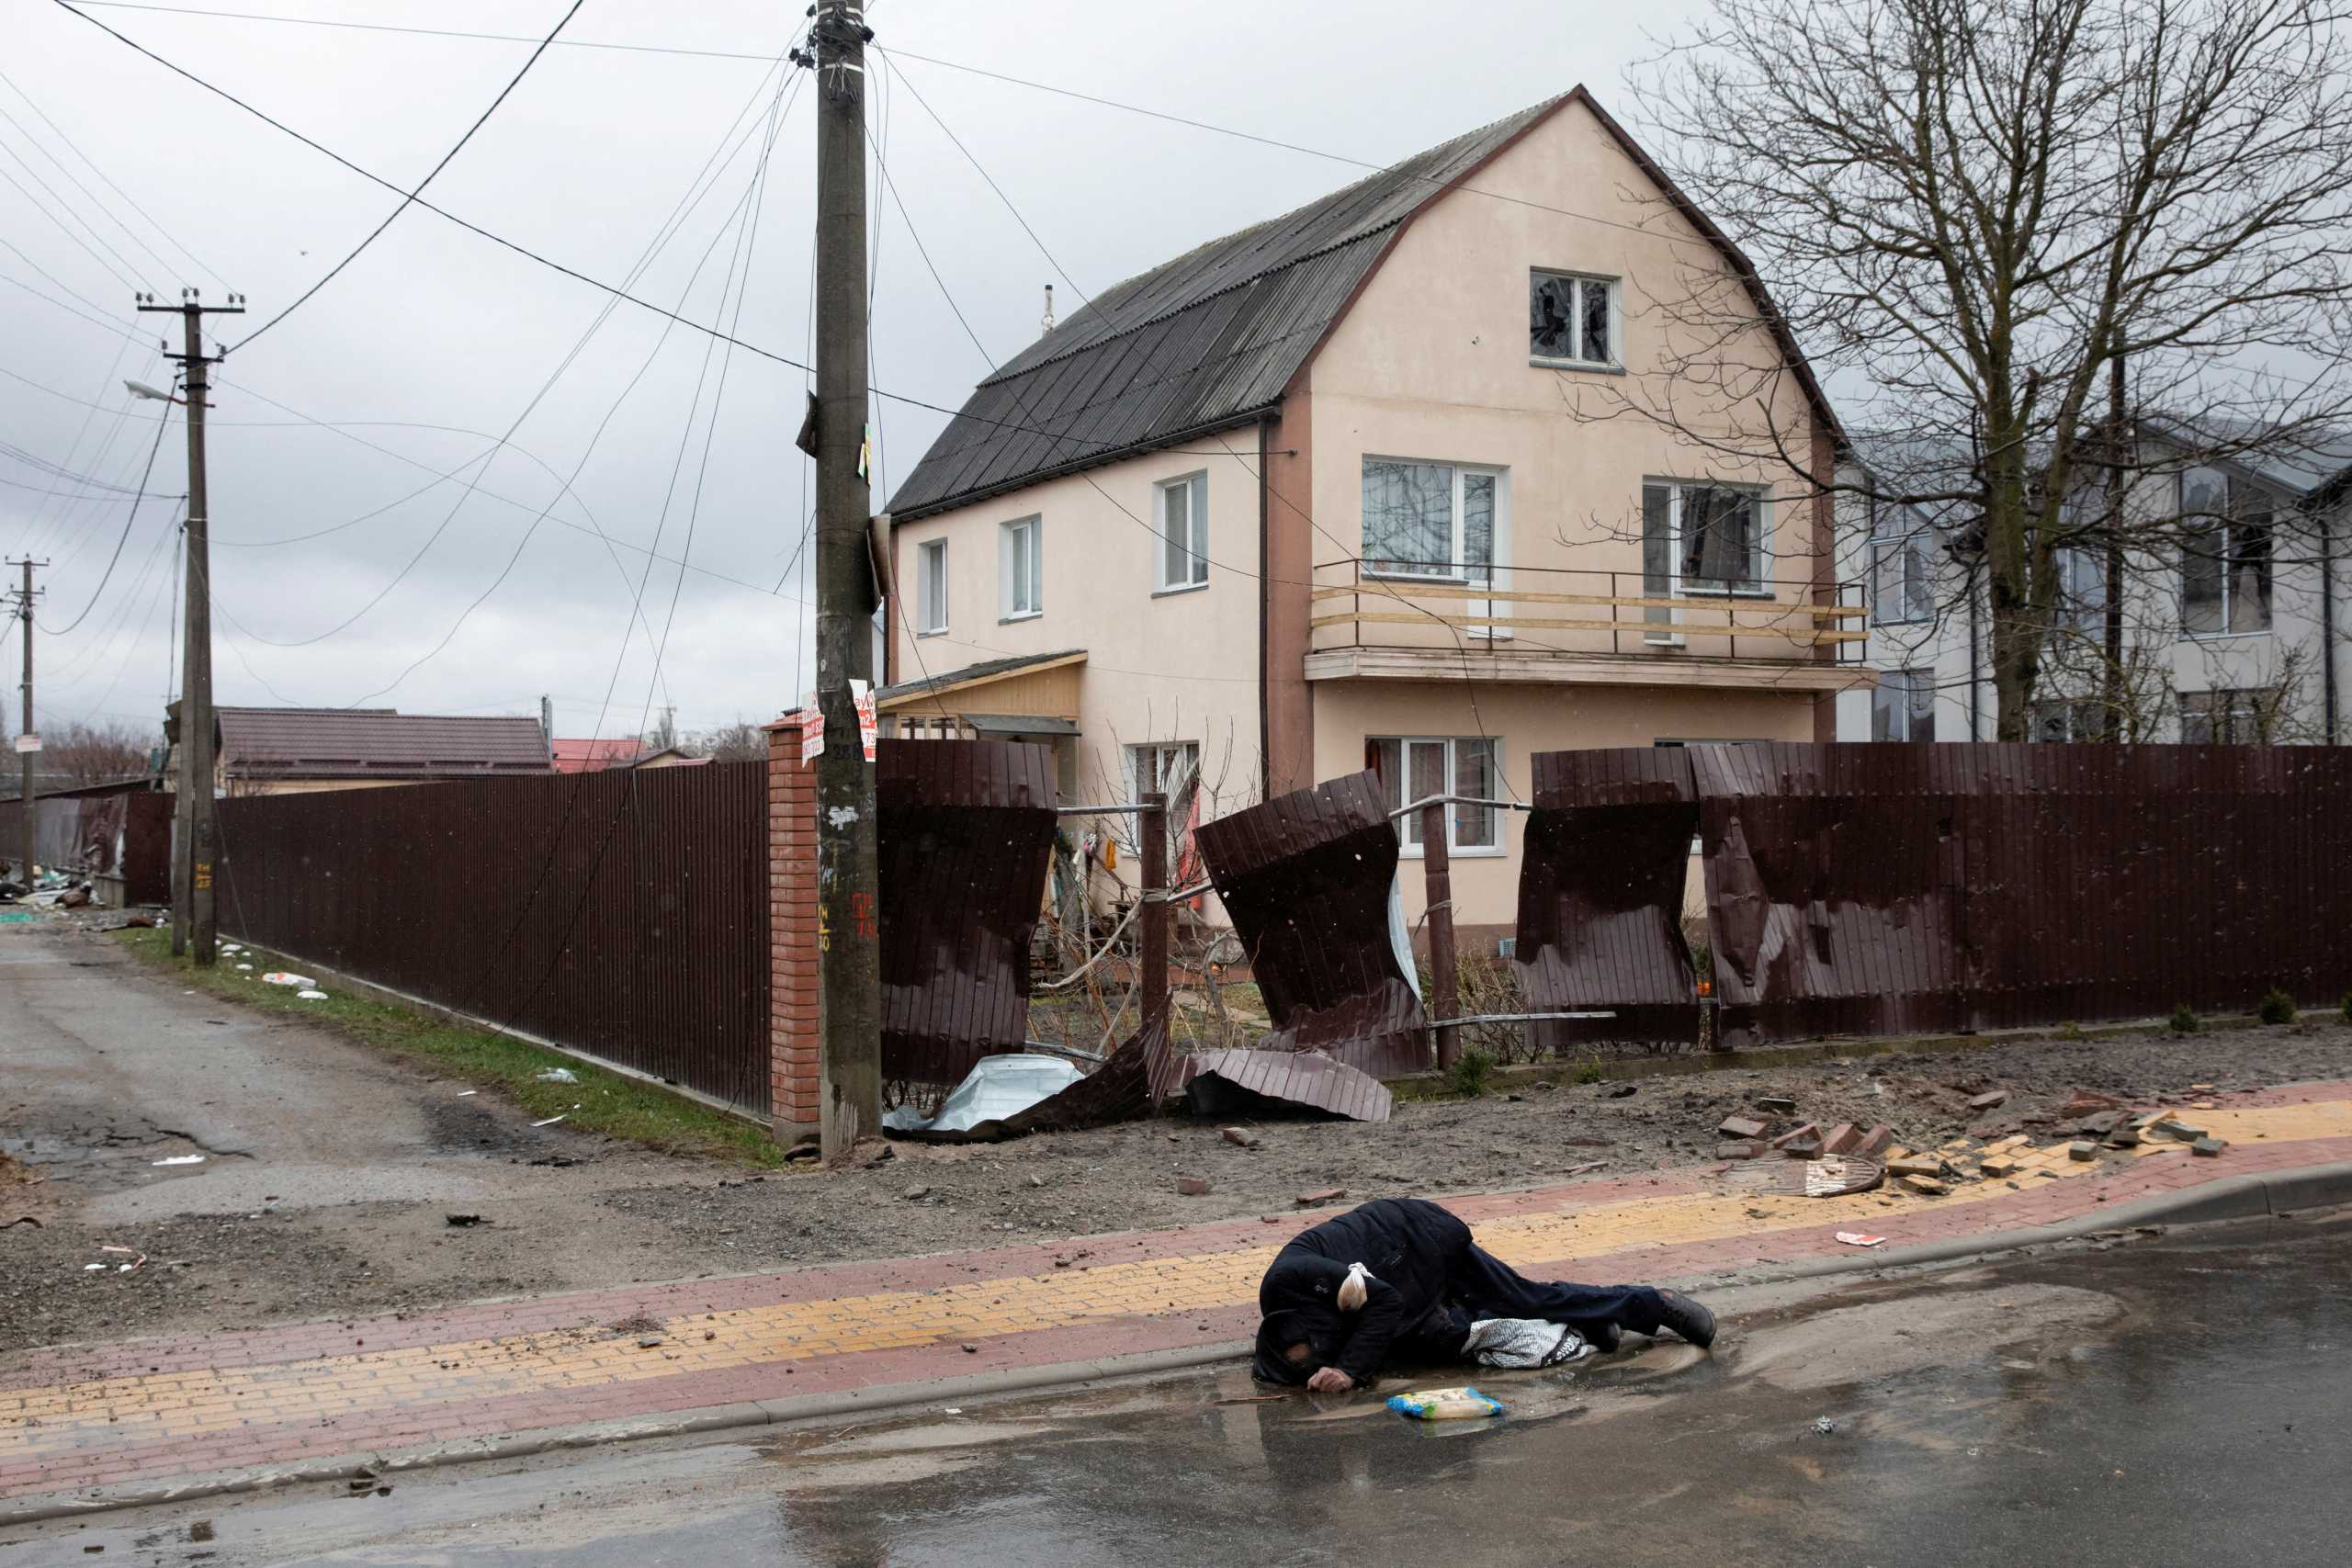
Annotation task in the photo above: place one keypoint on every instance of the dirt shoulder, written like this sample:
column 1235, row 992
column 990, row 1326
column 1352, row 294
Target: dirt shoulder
column 333, row 1167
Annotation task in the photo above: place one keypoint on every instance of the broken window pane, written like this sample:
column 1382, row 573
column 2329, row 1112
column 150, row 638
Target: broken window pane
column 1551, row 316
column 1658, row 553
column 1719, row 548
column 1596, row 322
column 1474, row 827
column 1478, row 528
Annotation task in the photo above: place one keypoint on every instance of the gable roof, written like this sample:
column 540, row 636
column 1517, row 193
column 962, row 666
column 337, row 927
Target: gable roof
column 375, row 743
column 1213, row 338
column 588, row 756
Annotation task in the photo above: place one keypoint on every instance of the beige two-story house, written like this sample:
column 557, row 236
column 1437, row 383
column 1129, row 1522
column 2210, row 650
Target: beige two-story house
column 1421, row 477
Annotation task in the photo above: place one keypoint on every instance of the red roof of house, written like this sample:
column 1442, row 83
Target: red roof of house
column 590, row 756
column 310, row 743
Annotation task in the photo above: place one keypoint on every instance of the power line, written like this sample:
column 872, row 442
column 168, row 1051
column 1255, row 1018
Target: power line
column 423, row 32
column 70, row 146
column 409, row 197
column 120, row 539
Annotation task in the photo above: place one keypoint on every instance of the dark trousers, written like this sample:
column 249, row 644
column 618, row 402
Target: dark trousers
column 1482, row 1285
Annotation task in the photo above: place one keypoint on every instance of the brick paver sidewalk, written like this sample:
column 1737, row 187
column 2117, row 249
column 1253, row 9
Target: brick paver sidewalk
column 94, row 1419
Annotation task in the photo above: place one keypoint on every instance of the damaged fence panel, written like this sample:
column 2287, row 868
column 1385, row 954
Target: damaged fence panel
column 1606, row 852
column 965, row 837
column 1893, row 889
column 1305, row 878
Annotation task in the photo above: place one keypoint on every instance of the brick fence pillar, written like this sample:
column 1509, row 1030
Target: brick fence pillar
column 792, row 1045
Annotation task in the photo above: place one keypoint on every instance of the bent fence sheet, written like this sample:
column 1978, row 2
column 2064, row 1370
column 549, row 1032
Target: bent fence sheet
column 101, row 832
column 1893, row 889
column 623, row 914
column 1608, row 848
column 965, row 837
column 1305, row 878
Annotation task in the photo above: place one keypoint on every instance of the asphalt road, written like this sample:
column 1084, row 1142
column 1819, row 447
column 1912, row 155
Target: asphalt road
column 2182, row 1400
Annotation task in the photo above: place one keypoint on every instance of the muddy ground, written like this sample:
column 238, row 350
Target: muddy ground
column 331, row 1199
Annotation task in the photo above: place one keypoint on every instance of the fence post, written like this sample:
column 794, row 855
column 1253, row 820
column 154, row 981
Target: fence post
column 1438, row 877
column 1152, row 827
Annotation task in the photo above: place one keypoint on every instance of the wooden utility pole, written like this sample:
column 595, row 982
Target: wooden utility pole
column 849, row 1007
column 28, row 739
column 195, row 824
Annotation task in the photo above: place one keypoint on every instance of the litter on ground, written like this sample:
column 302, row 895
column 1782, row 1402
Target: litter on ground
column 549, row 1122
column 1856, row 1238
column 286, row 978
column 311, row 996
column 559, row 1075
column 1444, row 1405
column 181, row 1159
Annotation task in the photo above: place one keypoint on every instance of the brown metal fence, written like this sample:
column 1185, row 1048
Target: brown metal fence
column 965, row 834
column 1891, row 889
column 1305, row 878
column 622, row 914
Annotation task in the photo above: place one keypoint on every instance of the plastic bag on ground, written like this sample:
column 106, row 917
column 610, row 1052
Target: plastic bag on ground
column 1444, row 1405
column 1520, row 1343
column 997, row 1086
column 283, row 978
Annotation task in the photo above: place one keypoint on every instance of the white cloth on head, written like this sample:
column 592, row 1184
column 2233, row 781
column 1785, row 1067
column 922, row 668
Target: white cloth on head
column 1522, row 1342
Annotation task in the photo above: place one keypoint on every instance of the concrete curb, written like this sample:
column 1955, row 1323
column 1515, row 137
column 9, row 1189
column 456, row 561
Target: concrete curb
column 2266, row 1196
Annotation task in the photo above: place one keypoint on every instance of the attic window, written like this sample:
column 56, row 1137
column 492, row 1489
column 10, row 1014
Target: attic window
column 1571, row 318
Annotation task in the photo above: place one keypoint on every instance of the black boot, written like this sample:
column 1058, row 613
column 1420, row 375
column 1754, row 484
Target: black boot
column 1687, row 1318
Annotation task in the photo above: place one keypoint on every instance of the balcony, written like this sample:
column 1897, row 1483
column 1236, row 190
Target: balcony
column 1437, row 621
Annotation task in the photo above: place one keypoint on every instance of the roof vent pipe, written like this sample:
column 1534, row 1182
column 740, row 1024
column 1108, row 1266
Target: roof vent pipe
column 1048, row 322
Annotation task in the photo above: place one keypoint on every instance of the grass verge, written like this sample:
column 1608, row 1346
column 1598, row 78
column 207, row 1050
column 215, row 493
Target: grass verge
column 601, row 1102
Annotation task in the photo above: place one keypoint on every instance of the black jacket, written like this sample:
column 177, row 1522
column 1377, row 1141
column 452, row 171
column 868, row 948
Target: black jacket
column 1412, row 1247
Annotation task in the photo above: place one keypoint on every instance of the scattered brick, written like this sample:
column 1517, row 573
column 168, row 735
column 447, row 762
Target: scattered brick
column 2087, row 1103
column 1925, row 1186
column 1809, row 1131
column 1327, row 1195
column 1191, row 1187
column 2209, row 1147
column 1998, row 1166
column 1777, row 1104
column 1241, row 1136
column 1916, row 1165
column 1747, row 1149
column 1990, row 1100
column 1843, row 1138
column 1740, row 1127
column 2082, row 1148
column 1804, row 1148
column 1876, row 1141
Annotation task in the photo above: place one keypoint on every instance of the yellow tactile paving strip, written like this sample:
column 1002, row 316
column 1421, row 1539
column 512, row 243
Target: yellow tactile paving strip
column 196, row 1404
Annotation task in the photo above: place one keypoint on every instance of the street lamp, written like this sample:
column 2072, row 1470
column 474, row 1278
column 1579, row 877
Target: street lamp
column 142, row 390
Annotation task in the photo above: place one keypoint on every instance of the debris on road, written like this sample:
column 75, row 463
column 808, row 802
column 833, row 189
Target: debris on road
column 311, row 996
column 2208, row 1147
column 1990, row 1100
column 915, row 1194
column 549, row 1122
column 1317, row 1200
column 1856, row 1238
column 1240, row 1135
column 284, row 978
column 996, row 1088
column 2080, row 1149
column 461, row 1220
column 179, row 1160
column 1191, row 1187
column 1776, row 1104
column 1925, row 1186
column 1824, row 1426
column 1250, row 1082
column 559, row 1075
column 1444, row 1405
column 1741, row 1127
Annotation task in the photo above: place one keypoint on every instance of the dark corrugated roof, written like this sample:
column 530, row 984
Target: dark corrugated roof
column 1206, row 341
column 369, row 743
column 1211, row 339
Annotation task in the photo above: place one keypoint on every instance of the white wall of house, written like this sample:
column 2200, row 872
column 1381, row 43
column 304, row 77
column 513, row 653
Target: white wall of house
column 2282, row 653
column 1162, row 664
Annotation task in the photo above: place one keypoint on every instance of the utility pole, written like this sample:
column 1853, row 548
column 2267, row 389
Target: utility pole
column 26, row 738
column 196, row 821
column 849, row 1009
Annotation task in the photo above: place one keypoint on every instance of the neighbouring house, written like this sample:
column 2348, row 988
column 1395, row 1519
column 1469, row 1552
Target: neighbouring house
column 298, row 751
column 1341, row 490
column 668, row 757
column 591, row 756
column 2233, row 607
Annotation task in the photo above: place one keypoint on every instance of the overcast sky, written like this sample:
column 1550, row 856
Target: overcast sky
column 435, row 341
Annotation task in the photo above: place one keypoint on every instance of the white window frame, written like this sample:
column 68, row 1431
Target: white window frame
column 930, row 588
column 1908, row 546
column 1408, row 827
column 2228, row 710
column 1758, row 587
column 1018, row 599
column 2081, row 719
column 1196, row 489
column 1184, row 756
column 1614, row 359
column 1909, row 711
column 2226, row 527
column 1457, row 569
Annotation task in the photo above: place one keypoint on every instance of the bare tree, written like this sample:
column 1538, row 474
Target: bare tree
column 1976, row 215
column 736, row 742
column 96, row 753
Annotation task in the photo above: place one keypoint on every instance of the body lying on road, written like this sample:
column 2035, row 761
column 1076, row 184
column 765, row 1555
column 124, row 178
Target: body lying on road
column 1400, row 1282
